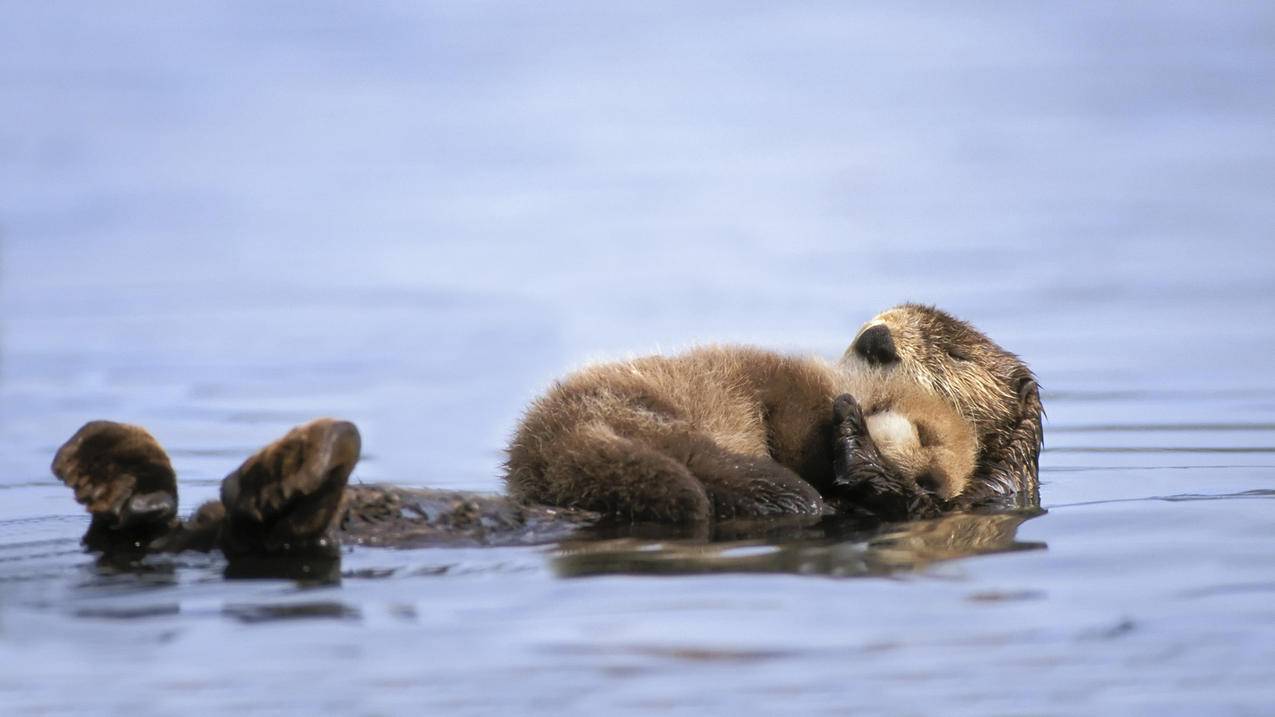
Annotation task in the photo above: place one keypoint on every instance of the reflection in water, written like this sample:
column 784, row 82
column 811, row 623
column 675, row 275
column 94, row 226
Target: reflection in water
column 129, row 613
column 308, row 571
column 159, row 569
column 135, row 570
column 827, row 547
column 291, row 611
column 801, row 545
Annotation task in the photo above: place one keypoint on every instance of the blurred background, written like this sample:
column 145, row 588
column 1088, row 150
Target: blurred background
column 220, row 219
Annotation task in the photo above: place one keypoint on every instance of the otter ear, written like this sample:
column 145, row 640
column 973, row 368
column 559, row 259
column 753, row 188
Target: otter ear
column 1027, row 436
column 1013, row 470
column 1028, row 394
column 1030, row 413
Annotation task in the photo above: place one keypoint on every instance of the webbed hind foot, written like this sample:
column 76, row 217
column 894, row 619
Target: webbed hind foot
column 124, row 479
column 285, row 499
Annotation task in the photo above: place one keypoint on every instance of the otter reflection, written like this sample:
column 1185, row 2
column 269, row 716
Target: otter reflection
column 826, row 547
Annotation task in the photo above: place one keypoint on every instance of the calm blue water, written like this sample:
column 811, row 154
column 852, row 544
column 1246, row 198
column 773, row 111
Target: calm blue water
column 219, row 220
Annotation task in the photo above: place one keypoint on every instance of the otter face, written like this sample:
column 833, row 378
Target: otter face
column 918, row 356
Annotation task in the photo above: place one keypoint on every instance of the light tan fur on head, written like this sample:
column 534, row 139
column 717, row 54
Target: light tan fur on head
column 919, row 434
column 732, row 431
column 967, row 399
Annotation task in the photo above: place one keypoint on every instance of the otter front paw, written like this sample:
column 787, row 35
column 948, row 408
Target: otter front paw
column 848, row 415
column 861, row 477
column 852, row 446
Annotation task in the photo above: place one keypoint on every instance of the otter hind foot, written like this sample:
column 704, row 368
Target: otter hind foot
column 286, row 498
column 124, row 479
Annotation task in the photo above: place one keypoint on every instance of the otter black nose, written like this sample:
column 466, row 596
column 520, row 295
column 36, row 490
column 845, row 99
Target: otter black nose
column 876, row 345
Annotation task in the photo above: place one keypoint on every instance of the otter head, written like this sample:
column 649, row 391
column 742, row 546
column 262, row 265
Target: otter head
column 961, row 390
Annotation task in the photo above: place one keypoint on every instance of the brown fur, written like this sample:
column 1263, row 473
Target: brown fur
column 285, row 499
column 951, row 420
column 718, row 431
column 923, row 440
column 124, row 479
column 741, row 432
column 961, row 375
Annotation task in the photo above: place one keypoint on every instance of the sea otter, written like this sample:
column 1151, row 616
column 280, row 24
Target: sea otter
column 922, row 414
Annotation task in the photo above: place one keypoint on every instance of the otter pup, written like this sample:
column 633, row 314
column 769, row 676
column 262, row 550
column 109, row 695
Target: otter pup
column 922, row 414
column 921, row 439
column 951, row 420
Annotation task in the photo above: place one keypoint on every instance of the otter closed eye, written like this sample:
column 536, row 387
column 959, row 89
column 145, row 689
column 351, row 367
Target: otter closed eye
column 929, row 482
column 926, row 435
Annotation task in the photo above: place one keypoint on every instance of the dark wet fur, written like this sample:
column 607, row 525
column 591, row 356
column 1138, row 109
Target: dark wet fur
column 284, row 500
column 995, row 390
column 124, row 479
column 409, row 517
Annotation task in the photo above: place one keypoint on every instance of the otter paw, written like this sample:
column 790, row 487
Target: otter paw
column 285, row 499
column 847, row 415
column 764, row 497
column 122, row 476
column 852, row 445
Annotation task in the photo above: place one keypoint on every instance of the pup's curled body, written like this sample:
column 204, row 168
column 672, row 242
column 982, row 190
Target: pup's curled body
column 718, row 431
column 933, row 415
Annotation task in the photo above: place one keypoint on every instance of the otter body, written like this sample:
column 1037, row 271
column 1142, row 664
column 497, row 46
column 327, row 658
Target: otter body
column 933, row 415
column 715, row 432
column 921, row 415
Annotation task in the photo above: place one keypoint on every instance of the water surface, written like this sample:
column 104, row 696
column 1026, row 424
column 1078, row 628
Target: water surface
column 221, row 220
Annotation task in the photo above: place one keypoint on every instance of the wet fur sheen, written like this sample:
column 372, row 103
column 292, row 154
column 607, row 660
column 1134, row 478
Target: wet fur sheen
column 723, row 432
column 938, row 417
